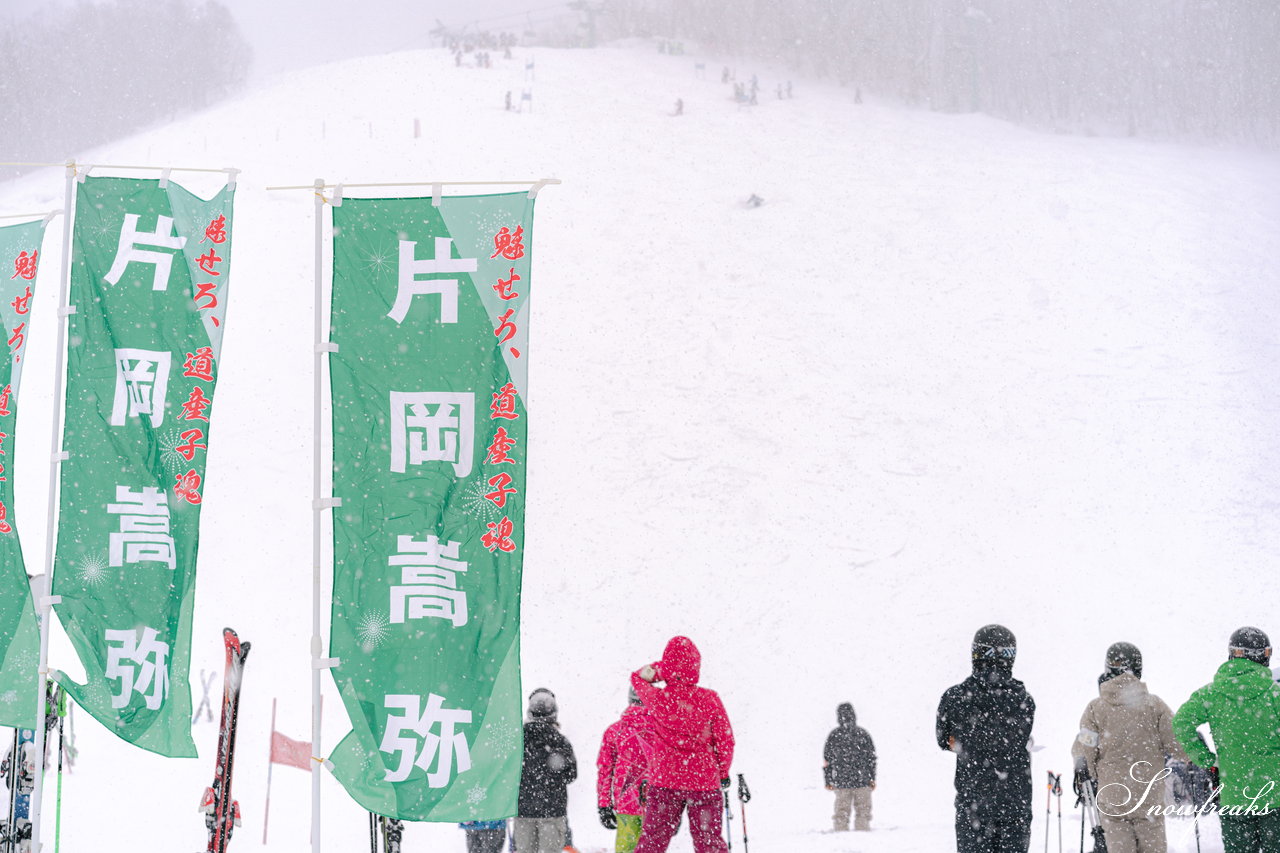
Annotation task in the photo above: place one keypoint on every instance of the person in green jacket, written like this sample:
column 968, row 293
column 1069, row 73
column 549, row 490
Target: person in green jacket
column 1242, row 708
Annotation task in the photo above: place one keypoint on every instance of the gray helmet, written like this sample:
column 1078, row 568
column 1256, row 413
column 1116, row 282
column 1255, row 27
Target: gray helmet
column 994, row 643
column 542, row 705
column 1124, row 657
column 1252, row 644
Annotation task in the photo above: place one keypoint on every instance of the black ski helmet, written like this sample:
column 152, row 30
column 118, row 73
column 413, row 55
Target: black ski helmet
column 1124, row 657
column 994, row 643
column 1252, row 644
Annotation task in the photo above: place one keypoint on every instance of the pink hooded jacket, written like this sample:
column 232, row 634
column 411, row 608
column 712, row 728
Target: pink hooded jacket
column 623, row 762
column 692, row 738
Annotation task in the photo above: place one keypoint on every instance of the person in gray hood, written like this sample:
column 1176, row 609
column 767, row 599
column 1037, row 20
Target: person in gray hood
column 849, row 769
column 1126, row 734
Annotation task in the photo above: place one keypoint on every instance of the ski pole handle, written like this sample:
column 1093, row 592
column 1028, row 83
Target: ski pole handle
column 744, row 793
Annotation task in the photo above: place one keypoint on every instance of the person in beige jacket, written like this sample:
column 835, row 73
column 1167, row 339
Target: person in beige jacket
column 1125, row 736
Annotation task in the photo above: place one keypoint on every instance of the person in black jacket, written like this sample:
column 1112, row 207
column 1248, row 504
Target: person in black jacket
column 986, row 721
column 549, row 766
column 849, row 769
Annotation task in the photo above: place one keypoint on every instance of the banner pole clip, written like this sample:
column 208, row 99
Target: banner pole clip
column 326, row 503
column 47, row 601
column 325, row 663
column 327, row 346
column 66, row 310
column 436, row 190
column 336, row 201
column 164, row 178
column 232, row 172
column 537, row 187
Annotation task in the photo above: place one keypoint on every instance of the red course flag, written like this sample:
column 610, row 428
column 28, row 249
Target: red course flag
column 286, row 750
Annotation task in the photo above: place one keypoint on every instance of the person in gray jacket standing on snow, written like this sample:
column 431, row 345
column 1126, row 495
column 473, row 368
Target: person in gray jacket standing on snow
column 849, row 769
column 1126, row 734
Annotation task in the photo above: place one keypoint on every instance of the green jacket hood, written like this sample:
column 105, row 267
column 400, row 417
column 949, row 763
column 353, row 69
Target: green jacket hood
column 1244, row 677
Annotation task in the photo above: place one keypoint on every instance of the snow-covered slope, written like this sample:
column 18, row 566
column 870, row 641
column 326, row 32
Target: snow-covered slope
column 951, row 372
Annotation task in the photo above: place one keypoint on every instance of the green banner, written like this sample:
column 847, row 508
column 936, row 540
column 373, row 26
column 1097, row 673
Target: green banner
column 149, row 278
column 19, row 635
column 430, row 318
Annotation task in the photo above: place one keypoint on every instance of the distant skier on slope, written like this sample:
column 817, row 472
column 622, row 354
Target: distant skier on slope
column 1242, row 708
column 849, row 769
column 986, row 721
column 549, row 766
column 622, row 767
column 693, row 751
column 1126, row 735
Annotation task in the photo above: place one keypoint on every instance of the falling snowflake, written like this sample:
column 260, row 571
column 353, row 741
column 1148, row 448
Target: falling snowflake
column 477, row 795
column 92, row 569
column 169, row 455
column 475, row 504
column 372, row 631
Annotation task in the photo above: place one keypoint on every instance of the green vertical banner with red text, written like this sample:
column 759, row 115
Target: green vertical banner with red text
column 430, row 313
column 20, row 258
column 149, row 278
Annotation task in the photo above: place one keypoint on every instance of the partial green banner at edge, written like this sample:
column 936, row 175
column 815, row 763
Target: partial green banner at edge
column 20, row 259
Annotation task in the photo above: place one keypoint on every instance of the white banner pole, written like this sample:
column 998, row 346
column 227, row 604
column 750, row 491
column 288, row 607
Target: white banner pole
column 45, row 604
column 316, row 648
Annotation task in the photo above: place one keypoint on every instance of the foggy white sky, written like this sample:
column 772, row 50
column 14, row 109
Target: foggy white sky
column 292, row 33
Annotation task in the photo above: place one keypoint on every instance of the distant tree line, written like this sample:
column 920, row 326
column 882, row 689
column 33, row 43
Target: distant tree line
column 1207, row 69
column 74, row 77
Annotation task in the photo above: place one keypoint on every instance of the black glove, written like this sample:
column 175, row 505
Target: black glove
column 1081, row 781
column 724, row 783
column 744, row 793
column 607, row 818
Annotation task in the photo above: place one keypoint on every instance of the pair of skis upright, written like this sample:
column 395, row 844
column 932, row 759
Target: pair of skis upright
column 222, row 813
column 18, row 770
column 388, row 830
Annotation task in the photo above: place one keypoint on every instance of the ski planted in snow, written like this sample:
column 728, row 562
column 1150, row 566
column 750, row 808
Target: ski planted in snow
column 388, row 830
column 18, row 768
column 221, row 812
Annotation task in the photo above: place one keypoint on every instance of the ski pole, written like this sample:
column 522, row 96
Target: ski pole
column 1057, row 793
column 1048, row 796
column 744, row 794
column 12, row 778
column 728, row 820
column 61, row 704
column 373, row 833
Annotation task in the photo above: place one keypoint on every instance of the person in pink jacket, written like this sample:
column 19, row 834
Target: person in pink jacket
column 622, row 766
column 692, row 751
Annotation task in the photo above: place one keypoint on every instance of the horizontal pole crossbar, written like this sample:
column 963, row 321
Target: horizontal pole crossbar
column 76, row 165
column 43, row 213
column 346, row 186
